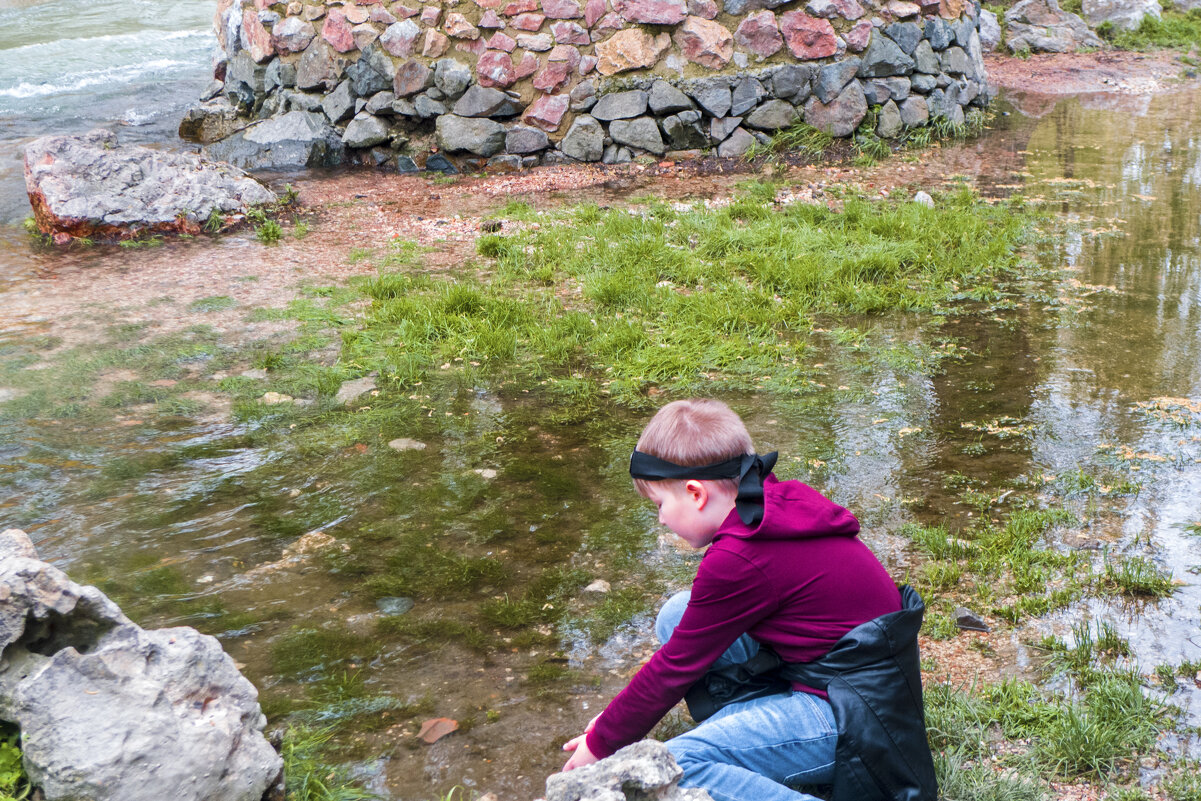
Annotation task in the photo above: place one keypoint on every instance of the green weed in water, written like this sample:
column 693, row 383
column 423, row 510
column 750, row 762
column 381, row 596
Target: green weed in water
column 308, row 776
column 1137, row 576
column 302, row 649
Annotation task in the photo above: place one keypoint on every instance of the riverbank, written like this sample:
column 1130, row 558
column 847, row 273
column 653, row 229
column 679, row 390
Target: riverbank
column 159, row 467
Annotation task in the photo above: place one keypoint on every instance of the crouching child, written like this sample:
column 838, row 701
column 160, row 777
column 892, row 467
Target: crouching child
column 794, row 649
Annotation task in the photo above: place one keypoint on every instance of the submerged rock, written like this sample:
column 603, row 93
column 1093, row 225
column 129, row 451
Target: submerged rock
column 108, row 710
column 90, row 186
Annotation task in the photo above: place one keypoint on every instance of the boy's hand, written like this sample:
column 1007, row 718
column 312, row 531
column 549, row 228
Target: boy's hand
column 579, row 745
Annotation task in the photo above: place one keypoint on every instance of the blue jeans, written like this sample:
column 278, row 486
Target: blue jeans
column 747, row 751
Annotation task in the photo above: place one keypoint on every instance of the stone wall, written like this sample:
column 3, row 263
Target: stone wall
column 470, row 84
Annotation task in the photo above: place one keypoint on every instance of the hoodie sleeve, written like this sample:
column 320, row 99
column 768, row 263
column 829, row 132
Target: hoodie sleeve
column 728, row 597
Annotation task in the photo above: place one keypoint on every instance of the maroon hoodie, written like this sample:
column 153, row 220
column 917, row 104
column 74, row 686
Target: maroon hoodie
column 797, row 582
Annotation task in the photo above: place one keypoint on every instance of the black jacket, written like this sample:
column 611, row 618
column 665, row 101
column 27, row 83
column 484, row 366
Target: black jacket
column 873, row 678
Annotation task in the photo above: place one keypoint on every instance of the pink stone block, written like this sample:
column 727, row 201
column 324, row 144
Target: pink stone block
column 526, row 67
column 430, row 15
column 501, row 41
column 459, row 27
column 859, row 36
column 705, row 42
column 435, row 44
column 569, row 33
column 652, row 12
column 405, row 12
column 808, row 37
column 528, row 22
column 759, row 34
column 561, row 9
column 702, row 8
column 256, row 37
column 547, row 112
column 520, row 7
column 564, row 53
column 491, row 20
column 587, row 64
column 475, row 47
column 496, row 69
column 336, row 31
column 356, row 15
column 553, row 76
column 594, row 10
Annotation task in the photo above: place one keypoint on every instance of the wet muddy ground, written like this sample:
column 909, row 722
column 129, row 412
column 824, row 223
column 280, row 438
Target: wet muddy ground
column 161, row 477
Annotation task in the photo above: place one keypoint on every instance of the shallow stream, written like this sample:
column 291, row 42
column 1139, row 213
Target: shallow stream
column 414, row 599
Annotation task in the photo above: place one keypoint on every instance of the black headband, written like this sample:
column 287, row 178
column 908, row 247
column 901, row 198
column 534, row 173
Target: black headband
column 750, row 469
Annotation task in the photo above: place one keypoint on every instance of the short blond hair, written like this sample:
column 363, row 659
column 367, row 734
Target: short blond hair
column 695, row 432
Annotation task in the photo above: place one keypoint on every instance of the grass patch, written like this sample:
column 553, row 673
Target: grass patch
column 611, row 303
column 212, row 303
column 1174, row 29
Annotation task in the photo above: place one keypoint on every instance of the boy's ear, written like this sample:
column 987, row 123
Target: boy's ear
column 697, row 492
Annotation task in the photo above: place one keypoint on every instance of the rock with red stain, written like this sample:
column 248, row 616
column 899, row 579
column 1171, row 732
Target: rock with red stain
column 381, row 15
column 364, row 35
column 758, row 33
column 337, row 32
column 652, row 12
column 562, row 9
column 808, row 37
column 491, row 20
column 564, row 53
column 520, row 7
column 587, row 65
column 630, row 49
column 859, row 36
column 594, row 10
column 430, row 15
column 476, row 47
column 495, row 69
column 547, row 112
column 411, row 78
column 553, row 76
column 435, row 44
column 528, row 22
column 89, row 186
column 702, row 8
column 502, row 41
column 526, row 67
column 569, row 33
column 405, row 12
column 256, row 39
column 606, row 26
column 705, row 42
column 459, row 27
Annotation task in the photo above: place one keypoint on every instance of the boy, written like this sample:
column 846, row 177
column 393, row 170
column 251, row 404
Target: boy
column 784, row 569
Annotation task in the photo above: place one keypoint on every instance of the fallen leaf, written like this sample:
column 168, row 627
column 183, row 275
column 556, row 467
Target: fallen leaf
column 435, row 729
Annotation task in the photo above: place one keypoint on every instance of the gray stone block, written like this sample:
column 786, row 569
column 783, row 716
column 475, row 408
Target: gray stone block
column 642, row 133
column 664, row 99
column 477, row 135
column 833, row 78
column 746, row 94
column 585, row 140
column 621, row 105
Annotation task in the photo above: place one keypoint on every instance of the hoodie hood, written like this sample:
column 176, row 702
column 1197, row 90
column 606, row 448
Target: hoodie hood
column 792, row 510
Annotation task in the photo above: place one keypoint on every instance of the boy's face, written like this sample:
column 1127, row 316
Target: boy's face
column 692, row 509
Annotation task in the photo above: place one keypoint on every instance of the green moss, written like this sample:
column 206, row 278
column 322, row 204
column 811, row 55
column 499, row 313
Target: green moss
column 161, row 581
column 302, row 650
